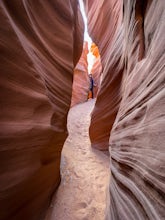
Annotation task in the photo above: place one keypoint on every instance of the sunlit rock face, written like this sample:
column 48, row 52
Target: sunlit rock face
column 80, row 86
column 137, row 137
column 81, row 81
column 96, row 69
column 40, row 44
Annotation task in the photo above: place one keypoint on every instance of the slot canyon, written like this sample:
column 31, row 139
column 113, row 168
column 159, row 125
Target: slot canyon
column 64, row 156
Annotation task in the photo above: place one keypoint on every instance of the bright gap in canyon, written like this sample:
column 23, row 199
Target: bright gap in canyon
column 82, row 118
column 85, row 175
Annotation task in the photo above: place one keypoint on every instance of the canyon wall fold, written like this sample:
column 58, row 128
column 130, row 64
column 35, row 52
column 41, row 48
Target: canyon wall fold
column 104, row 18
column 40, row 43
column 81, row 79
column 136, row 131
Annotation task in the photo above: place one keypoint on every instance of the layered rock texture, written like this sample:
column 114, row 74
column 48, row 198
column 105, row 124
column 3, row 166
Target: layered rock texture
column 40, row 43
column 107, row 13
column 129, row 112
column 80, row 86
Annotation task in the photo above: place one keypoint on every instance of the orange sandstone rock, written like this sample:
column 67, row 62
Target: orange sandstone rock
column 81, row 81
column 96, row 69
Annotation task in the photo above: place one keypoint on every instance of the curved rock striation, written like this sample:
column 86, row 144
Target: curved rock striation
column 100, row 15
column 108, row 99
column 38, row 42
column 80, row 80
column 137, row 135
column 107, row 13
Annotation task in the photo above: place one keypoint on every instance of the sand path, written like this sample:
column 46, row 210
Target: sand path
column 85, row 173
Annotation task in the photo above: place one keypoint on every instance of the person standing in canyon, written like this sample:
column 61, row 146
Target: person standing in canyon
column 91, row 85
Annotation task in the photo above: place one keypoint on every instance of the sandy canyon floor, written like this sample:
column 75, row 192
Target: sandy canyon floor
column 82, row 193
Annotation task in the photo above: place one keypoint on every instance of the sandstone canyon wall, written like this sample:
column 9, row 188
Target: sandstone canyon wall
column 133, row 93
column 41, row 42
column 104, row 18
column 80, row 80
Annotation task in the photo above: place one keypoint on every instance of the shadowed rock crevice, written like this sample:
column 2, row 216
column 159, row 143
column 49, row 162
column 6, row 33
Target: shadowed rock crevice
column 140, row 9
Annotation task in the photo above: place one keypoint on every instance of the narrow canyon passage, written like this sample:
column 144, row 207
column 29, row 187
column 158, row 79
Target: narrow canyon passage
column 82, row 193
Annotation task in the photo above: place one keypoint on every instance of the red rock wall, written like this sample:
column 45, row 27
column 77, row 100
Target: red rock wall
column 80, row 80
column 97, row 12
column 137, row 137
column 137, row 131
column 108, row 99
column 38, row 42
column 106, row 106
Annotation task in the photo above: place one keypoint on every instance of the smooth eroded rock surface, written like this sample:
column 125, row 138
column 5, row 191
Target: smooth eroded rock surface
column 104, row 19
column 40, row 44
column 134, row 81
column 80, row 79
column 137, row 137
